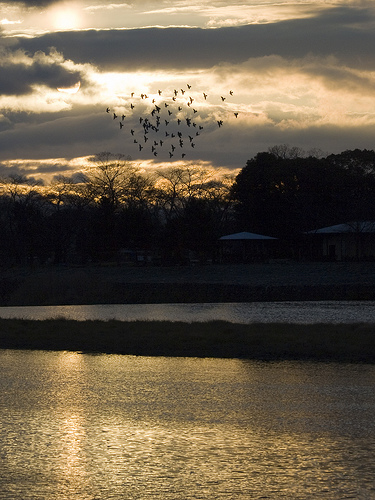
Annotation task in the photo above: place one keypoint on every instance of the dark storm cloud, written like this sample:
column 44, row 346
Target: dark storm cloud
column 346, row 33
column 18, row 79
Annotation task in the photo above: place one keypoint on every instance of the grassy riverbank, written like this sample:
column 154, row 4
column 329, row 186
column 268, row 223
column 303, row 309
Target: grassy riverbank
column 354, row 343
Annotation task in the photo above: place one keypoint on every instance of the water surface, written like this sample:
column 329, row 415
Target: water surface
column 79, row 426
column 290, row 312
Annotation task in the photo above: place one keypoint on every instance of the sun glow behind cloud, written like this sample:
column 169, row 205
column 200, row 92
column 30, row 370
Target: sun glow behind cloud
column 65, row 17
column 70, row 90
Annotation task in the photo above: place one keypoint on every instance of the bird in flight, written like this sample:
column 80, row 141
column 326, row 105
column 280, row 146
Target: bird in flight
column 171, row 115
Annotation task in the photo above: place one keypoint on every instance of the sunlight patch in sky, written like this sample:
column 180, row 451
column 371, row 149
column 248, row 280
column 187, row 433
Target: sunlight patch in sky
column 65, row 17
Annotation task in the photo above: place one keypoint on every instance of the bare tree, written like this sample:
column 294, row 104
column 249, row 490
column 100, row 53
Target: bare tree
column 109, row 178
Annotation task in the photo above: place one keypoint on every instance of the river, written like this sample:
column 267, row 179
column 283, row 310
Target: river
column 289, row 312
column 80, row 426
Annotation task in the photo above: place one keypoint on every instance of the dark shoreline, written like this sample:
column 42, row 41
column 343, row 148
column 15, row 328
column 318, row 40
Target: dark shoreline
column 289, row 281
column 344, row 343
column 190, row 284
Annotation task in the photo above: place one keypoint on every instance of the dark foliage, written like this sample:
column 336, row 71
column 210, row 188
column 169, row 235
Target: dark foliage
column 117, row 213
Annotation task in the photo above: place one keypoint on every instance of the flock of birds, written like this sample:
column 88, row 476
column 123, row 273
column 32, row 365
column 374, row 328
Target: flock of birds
column 169, row 125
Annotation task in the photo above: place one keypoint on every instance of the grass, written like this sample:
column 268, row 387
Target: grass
column 353, row 343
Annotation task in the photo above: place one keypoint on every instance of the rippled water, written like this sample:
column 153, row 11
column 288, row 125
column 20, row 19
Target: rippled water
column 79, row 426
column 290, row 312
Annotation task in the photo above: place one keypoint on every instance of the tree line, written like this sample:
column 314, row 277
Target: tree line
column 116, row 211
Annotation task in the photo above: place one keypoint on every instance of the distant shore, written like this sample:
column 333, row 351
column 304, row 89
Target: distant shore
column 275, row 281
column 354, row 343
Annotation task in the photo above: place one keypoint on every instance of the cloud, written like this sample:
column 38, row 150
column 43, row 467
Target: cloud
column 342, row 32
column 30, row 3
column 64, row 136
column 20, row 72
column 305, row 82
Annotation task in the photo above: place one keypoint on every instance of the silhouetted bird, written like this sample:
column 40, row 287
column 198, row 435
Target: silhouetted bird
column 188, row 86
column 108, row 110
column 222, row 98
column 220, row 123
column 231, row 92
column 114, row 115
column 236, row 114
column 205, row 96
column 123, row 117
column 121, row 125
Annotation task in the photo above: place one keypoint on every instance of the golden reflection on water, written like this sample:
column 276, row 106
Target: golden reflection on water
column 87, row 427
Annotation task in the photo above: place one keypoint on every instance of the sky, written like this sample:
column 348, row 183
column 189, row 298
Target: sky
column 208, row 83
